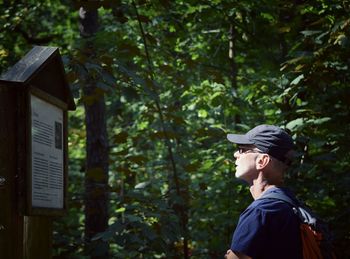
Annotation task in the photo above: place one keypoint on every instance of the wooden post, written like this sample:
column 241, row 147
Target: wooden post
column 11, row 222
column 37, row 237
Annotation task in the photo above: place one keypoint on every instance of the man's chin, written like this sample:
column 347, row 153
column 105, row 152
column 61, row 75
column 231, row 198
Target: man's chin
column 244, row 177
column 241, row 177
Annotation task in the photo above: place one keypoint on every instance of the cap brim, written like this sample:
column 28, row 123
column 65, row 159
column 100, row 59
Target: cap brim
column 239, row 139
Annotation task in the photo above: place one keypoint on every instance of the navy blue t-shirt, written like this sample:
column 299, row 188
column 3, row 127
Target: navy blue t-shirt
column 268, row 228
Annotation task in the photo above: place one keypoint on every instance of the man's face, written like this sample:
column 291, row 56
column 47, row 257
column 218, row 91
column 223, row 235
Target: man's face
column 246, row 162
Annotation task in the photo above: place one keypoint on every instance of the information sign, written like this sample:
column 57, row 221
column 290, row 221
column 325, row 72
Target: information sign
column 47, row 154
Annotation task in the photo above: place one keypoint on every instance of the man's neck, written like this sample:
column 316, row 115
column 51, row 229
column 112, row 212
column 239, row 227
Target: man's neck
column 259, row 185
column 256, row 192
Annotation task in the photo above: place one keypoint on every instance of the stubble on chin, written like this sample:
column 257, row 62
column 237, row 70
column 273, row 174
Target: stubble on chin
column 246, row 175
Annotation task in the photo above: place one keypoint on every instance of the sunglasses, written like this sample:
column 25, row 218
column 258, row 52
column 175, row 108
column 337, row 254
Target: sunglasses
column 244, row 150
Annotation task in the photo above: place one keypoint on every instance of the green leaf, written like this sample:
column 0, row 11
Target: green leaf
column 133, row 218
column 142, row 185
column 341, row 40
column 297, row 79
column 120, row 210
column 202, row 113
column 310, row 33
column 97, row 236
column 319, row 121
column 295, row 124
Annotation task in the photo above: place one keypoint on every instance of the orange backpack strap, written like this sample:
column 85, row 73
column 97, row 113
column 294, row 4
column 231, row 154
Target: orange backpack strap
column 310, row 241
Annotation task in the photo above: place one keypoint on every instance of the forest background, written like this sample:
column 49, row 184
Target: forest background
column 158, row 84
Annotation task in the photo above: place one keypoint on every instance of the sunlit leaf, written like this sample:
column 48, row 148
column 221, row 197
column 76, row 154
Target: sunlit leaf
column 295, row 124
column 202, row 113
column 120, row 210
column 310, row 33
column 297, row 79
column 142, row 185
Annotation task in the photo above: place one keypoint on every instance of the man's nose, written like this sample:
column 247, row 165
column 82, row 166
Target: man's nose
column 236, row 154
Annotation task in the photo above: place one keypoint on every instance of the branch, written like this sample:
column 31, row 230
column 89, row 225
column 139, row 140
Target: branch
column 159, row 109
column 167, row 141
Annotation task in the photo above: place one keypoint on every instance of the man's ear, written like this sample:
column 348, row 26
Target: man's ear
column 262, row 161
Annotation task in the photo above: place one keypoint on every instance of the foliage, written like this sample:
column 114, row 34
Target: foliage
column 164, row 69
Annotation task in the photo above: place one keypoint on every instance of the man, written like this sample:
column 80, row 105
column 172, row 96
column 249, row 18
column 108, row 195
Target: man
column 268, row 228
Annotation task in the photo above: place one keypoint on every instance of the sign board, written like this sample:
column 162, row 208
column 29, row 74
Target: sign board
column 47, row 161
column 41, row 98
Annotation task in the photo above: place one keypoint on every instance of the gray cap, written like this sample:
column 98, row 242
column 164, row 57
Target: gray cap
column 269, row 139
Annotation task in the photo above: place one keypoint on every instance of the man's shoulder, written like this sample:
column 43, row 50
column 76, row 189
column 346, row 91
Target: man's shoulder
column 272, row 205
column 268, row 205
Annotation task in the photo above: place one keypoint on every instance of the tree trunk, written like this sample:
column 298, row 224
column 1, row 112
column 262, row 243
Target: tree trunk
column 96, row 177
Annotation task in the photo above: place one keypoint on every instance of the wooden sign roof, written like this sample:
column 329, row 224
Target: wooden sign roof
column 42, row 68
